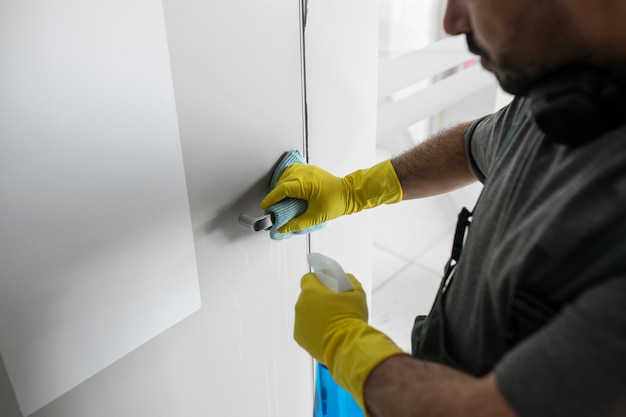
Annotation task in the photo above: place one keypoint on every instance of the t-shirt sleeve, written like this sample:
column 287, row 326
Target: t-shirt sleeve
column 484, row 136
column 576, row 364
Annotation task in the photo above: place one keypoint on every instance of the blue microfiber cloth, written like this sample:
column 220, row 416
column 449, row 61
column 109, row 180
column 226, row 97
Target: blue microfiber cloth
column 288, row 208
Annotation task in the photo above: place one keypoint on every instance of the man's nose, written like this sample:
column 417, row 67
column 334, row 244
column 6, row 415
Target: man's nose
column 456, row 19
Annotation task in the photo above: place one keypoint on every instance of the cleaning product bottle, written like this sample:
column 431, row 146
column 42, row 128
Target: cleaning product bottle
column 331, row 400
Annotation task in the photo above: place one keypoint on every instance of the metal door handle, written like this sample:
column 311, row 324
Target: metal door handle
column 257, row 224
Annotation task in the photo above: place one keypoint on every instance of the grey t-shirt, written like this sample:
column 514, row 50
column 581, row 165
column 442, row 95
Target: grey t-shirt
column 546, row 251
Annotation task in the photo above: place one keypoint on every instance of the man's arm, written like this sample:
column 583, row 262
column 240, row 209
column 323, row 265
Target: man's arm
column 382, row 379
column 404, row 386
column 435, row 166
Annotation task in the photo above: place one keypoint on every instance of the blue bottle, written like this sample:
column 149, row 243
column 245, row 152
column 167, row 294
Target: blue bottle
column 331, row 400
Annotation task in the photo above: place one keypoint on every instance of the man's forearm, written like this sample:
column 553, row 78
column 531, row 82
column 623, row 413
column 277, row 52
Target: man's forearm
column 435, row 166
column 404, row 386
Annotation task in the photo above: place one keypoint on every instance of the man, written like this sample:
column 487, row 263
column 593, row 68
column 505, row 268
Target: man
column 530, row 319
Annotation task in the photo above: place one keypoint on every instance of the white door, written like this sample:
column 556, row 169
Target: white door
column 237, row 77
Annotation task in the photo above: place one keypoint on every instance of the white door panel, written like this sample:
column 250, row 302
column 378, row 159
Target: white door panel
column 342, row 61
column 96, row 246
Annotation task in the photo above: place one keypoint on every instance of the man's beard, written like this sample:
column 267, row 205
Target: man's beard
column 511, row 81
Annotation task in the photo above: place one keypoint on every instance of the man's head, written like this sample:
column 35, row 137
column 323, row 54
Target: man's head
column 522, row 40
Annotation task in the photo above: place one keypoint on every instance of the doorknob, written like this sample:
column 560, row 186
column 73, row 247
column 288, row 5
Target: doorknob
column 257, row 224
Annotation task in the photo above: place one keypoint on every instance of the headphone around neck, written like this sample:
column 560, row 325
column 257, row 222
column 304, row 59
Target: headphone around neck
column 576, row 105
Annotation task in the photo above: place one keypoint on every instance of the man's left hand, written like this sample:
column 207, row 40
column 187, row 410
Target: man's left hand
column 333, row 328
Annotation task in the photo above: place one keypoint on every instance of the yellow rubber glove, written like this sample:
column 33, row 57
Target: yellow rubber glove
column 329, row 197
column 333, row 328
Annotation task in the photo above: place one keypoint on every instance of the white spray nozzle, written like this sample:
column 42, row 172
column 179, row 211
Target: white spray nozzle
column 329, row 272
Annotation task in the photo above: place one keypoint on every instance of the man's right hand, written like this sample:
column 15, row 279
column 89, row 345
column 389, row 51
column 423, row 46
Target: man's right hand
column 324, row 193
column 329, row 197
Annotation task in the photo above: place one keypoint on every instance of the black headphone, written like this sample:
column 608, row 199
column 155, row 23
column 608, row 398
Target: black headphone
column 575, row 105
